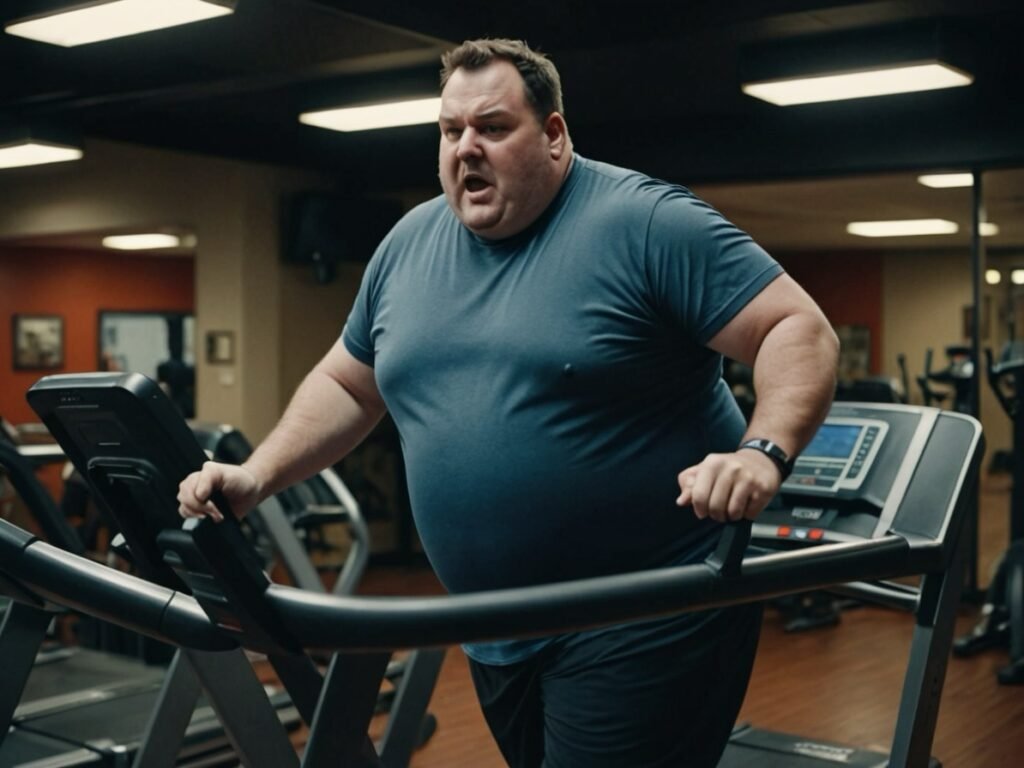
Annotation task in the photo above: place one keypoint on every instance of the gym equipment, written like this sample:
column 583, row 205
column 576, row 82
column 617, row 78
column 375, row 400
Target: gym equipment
column 1002, row 616
column 956, row 383
column 909, row 484
column 954, row 380
column 305, row 507
column 74, row 706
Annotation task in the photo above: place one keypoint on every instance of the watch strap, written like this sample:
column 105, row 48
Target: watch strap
column 778, row 456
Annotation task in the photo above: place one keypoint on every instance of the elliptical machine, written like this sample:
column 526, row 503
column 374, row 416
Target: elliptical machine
column 955, row 379
column 1002, row 615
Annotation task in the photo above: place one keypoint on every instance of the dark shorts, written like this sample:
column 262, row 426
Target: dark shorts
column 620, row 698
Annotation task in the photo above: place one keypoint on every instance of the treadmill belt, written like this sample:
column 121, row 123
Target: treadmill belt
column 118, row 724
column 81, row 677
column 754, row 748
column 24, row 749
column 119, row 721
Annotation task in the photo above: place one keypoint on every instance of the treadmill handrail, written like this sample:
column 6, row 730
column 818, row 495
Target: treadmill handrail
column 90, row 587
column 333, row 622
column 373, row 623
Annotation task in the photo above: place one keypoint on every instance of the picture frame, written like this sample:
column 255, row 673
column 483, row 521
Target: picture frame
column 38, row 342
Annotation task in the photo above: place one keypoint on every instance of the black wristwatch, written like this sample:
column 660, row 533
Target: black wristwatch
column 773, row 452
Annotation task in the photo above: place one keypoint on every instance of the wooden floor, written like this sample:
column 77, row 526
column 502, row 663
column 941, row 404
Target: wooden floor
column 838, row 684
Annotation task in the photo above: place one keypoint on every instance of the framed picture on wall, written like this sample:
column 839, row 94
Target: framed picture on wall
column 38, row 341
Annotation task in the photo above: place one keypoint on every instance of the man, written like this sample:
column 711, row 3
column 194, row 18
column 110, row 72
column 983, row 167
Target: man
column 548, row 338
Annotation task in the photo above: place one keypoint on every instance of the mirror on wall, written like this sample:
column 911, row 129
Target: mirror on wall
column 160, row 345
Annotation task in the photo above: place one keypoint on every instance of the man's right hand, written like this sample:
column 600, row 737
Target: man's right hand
column 236, row 484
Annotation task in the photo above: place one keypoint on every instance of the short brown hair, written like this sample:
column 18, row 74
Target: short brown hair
column 543, row 85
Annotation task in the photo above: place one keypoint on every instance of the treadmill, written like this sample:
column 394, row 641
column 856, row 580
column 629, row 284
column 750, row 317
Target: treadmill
column 135, row 448
column 75, row 706
column 320, row 500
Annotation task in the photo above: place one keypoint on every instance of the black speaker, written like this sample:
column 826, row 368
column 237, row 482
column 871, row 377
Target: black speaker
column 325, row 229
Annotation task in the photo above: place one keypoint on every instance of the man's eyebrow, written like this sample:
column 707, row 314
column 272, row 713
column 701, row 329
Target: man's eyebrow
column 485, row 115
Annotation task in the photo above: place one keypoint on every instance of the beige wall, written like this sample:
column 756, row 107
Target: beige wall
column 312, row 318
column 923, row 298
column 232, row 207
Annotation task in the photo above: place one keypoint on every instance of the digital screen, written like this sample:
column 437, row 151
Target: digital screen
column 833, row 441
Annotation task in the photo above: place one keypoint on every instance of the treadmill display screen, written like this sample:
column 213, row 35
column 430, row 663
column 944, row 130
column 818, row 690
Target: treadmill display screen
column 834, row 441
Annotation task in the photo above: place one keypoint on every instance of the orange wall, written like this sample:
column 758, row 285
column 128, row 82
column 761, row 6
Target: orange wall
column 76, row 285
column 847, row 287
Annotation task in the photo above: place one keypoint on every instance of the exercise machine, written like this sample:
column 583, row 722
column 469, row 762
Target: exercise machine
column 216, row 589
column 75, row 706
column 307, row 507
column 1002, row 615
column 954, row 379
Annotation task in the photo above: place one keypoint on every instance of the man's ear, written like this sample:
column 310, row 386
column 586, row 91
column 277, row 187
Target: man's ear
column 557, row 132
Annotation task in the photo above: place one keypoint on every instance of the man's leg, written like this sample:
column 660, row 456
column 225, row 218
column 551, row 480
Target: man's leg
column 642, row 697
column 510, row 697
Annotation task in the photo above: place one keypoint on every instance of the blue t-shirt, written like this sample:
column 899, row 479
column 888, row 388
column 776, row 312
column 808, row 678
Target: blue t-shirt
column 549, row 388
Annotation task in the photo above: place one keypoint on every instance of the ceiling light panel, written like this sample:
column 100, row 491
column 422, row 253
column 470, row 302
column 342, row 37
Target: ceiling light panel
column 373, row 116
column 947, row 180
column 858, row 85
column 29, row 152
column 117, row 18
column 141, row 242
column 902, row 228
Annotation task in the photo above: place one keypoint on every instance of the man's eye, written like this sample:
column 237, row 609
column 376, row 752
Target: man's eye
column 453, row 133
column 492, row 129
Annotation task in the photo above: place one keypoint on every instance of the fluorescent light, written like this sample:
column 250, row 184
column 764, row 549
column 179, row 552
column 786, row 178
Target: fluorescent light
column 859, row 84
column 31, row 152
column 141, row 242
column 947, row 180
column 390, row 115
column 993, row 276
column 902, row 228
column 1017, row 277
column 114, row 18
column 988, row 229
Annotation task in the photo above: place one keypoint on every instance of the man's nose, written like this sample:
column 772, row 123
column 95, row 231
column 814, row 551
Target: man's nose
column 469, row 144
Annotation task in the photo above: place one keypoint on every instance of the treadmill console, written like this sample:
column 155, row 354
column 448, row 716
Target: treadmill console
column 851, row 481
column 839, row 457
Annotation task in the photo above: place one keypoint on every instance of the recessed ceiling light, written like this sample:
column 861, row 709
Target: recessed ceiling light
column 988, row 229
column 947, row 180
column 35, row 152
column 903, row 228
column 141, row 242
column 993, row 276
column 927, row 76
column 107, row 19
column 369, row 117
column 1017, row 277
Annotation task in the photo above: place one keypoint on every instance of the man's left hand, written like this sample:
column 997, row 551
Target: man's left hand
column 729, row 486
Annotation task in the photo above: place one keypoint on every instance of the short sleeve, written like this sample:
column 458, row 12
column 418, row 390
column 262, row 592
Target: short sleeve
column 702, row 269
column 357, row 334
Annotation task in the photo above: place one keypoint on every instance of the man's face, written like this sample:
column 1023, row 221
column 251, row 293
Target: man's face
column 497, row 164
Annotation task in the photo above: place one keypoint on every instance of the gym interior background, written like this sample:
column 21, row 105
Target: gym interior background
column 194, row 131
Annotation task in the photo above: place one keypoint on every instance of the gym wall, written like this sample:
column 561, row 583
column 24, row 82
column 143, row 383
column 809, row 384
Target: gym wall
column 233, row 209
column 77, row 285
column 847, row 287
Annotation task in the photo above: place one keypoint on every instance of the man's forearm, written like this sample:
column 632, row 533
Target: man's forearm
column 323, row 422
column 795, row 380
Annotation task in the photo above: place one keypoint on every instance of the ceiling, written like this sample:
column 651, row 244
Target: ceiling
column 649, row 85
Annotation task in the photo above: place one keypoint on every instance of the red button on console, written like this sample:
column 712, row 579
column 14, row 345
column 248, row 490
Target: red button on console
column 783, row 531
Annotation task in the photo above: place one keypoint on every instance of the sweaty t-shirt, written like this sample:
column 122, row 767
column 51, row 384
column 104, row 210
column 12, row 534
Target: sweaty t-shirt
column 549, row 388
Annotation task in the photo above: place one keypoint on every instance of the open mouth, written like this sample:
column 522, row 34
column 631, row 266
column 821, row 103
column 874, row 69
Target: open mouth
column 475, row 184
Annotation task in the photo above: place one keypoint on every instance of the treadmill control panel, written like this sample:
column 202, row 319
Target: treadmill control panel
column 839, row 457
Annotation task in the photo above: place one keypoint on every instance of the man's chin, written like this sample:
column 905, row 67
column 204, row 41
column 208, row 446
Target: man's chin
column 481, row 223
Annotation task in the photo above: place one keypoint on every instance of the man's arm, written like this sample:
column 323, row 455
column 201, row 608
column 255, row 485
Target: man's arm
column 785, row 338
column 334, row 408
